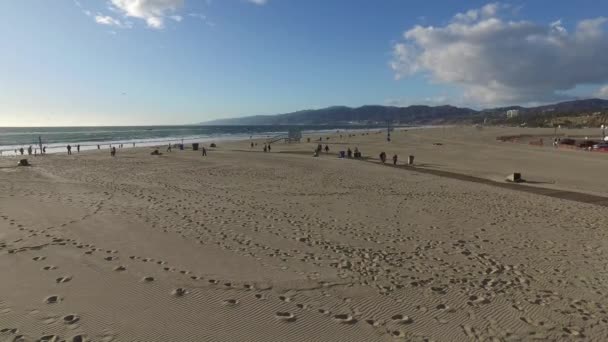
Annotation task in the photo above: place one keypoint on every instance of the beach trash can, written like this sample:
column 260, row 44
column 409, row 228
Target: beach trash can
column 410, row 160
column 195, row 146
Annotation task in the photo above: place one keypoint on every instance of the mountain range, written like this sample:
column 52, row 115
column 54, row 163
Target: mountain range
column 420, row 114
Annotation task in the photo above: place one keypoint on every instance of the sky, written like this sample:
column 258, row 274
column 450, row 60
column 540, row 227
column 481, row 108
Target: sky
column 144, row 62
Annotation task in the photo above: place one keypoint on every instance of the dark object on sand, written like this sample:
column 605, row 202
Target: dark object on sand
column 438, row 144
column 587, row 144
column 23, row 162
column 515, row 178
column 212, row 145
column 410, row 160
column 383, row 157
column 567, row 141
column 156, row 153
column 194, row 146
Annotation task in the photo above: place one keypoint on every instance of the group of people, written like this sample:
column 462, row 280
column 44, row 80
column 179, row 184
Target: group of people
column 383, row 158
column 266, row 147
column 350, row 153
column 320, row 148
column 69, row 148
column 30, row 150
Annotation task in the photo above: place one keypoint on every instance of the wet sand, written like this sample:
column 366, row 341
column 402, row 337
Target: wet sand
column 243, row 245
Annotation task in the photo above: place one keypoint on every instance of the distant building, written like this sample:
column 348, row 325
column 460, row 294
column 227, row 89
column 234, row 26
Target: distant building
column 512, row 113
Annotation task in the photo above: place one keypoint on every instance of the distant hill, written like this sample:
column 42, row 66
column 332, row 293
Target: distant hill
column 416, row 115
column 361, row 115
column 578, row 113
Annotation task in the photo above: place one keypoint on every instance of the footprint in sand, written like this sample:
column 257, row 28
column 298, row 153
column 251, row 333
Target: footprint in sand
column 70, row 319
column 49, row 338
column 148, row 279
column 52, row 299
column 345, row 319
column 324, row 312
column 372, row 322
column 285, row 299
column 38, row 258
column 120, row 268
column 179, row 292
column 401, row 319
column 49, row 268
column 110, row 258
column 63, row 279
column 8, row 331
column 285, row 316
column 230, row 302
column 79, row 338
column 260, row 296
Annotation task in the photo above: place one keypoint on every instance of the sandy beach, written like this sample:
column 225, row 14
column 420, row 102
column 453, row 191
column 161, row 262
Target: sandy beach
column 243, row 245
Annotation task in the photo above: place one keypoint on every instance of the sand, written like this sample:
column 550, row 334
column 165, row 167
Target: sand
column 243, row 245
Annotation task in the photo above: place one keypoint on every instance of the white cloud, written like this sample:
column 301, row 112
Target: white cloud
column 177, row 18
column 258, row 2
column 153, row 12
column 499, row 61
column 107, row 20
column 602, row 92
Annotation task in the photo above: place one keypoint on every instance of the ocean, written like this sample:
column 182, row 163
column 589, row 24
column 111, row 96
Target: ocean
column 57, row 138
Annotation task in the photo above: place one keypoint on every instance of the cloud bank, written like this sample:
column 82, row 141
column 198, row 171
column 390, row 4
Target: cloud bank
column 602, row 92
column 500, row 61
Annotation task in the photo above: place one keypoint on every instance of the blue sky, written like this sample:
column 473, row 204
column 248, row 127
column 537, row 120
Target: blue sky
column 121, row 62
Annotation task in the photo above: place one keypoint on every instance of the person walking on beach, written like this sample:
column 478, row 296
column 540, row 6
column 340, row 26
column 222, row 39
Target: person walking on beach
column 252, row 144
column 29, row 150
column 268, row 147
column 78, row 148
column 44, row 150
column 204, row 151
column 265, row 148
column 395, row 159
column 326, row 148
column 383, row 157
column 113, row 151
column 21, row 151
column 98, row 147
column 69, row 149
column 169, row 148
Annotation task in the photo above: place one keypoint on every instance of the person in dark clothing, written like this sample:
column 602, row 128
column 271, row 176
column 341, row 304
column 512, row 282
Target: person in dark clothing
column 78, row 148
column 29, row 151
column 69, row 149
column 252, row 144
column 265, row 148
column 326, row 148
column 383, row 157
column 21, row 151
column 204, row 152
column 268, row 147
column 44, row 150
column 349, row 153
column 113, row 151
column 395, row 159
